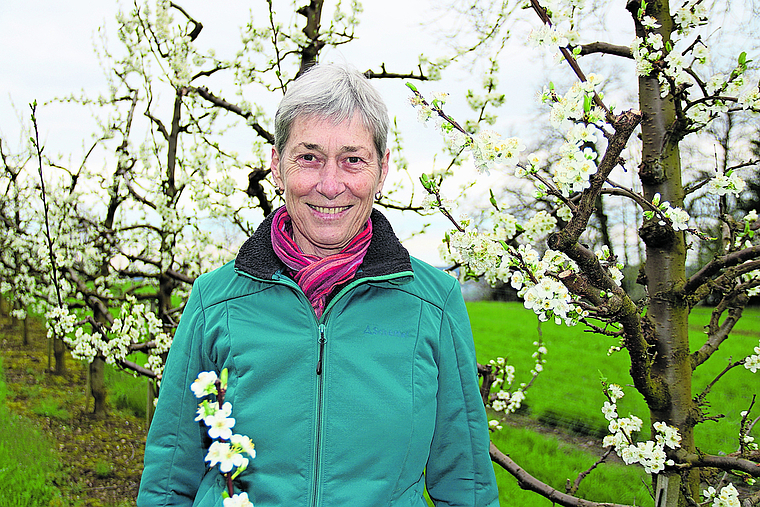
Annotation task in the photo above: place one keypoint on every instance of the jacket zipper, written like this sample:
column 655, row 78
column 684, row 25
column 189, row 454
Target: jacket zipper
column 320, row 394
column 316, row 490
column 322, row 341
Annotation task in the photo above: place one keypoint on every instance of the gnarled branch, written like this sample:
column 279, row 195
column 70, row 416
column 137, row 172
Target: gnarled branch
column 727, row 463
column 704, row 275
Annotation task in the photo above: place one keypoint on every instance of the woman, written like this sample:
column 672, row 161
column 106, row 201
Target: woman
column 351, row 365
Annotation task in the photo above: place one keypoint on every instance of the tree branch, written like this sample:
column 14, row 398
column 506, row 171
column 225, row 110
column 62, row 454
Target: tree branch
column 606, row 48
column 716, row 334
column 219, row 102
column 568, row 55
column 197, row 25
column 313, row 15
column 566, row 240
column 530, row 483
column 700, row 398
column 159, row 124
column 727, row 463
column 384, row 74
column 129, row 365
column 176, row 275
column 572, row 489
column 704, row 275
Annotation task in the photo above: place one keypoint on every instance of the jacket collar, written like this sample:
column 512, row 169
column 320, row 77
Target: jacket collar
column 385, row 255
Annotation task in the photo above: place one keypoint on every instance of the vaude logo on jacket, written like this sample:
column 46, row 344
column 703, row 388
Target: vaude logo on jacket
column 384, row 332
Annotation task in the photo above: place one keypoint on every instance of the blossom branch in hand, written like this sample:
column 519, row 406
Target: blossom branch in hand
column 228, row 449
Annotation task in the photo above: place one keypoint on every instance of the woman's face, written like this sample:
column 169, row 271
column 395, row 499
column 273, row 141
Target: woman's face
column 330, row 174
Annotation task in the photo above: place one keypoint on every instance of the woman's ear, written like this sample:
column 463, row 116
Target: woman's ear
column 383, row 170
column 274, row 166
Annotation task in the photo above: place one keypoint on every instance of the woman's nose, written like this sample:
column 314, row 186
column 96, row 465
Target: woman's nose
column 331, row 184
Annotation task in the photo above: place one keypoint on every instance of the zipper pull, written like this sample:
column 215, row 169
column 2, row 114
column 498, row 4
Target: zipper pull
column 322, row 341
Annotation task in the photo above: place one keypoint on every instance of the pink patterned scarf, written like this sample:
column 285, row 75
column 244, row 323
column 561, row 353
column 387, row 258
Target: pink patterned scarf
column 316, row 276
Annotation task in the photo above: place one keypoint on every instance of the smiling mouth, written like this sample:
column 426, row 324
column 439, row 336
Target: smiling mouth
column 329, row 211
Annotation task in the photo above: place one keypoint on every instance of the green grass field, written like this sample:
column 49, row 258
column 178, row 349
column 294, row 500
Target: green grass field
column 569, row 388
column 29, row 462
column 568, row 394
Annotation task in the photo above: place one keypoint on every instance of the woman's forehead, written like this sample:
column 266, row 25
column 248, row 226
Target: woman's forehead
column 322, row 133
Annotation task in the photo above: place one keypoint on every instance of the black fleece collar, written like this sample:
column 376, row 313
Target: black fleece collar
column 385, row 255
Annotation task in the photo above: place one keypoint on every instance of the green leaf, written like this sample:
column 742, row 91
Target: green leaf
column 427, row 183
column 493, row 200
column 239, row 471
column 587, row 103
column 223, row 378
column 743, row 58
column 642, row 10
column 411, row 87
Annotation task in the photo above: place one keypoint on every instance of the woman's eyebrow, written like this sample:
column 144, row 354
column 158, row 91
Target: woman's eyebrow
column 343, row 149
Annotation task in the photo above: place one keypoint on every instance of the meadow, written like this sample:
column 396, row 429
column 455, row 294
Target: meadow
column 567, row 396
column 555, row 436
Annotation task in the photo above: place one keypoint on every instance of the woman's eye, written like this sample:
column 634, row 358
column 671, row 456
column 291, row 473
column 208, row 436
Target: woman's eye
column 309, row 157
column 354, row 160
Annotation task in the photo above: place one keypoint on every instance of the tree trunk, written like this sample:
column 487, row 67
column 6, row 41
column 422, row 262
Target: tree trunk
column 151, row 406
column 98, row 387
column 25, row 331
column 59, row 354
column 668, row 314
column 4, row 310
column 14, row 320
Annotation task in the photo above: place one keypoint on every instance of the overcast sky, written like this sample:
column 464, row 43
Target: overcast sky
column 48, row 52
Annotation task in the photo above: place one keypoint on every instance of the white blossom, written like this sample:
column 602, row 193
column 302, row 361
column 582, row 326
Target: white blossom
column 728, row 497
column 539, row 225
column 243, row 443
column 615, row 392
column 223, row 454
column 609, row 410
column 651, row 453
column 238, row 500
column 752, row 362
column 723, row 184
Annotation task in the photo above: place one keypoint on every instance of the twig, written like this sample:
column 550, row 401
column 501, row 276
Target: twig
column 571, row 490
column 48, row 236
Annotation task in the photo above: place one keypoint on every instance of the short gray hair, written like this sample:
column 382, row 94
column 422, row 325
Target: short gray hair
column 335, row 92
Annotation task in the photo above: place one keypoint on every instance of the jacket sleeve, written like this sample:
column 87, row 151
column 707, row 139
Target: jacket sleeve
column 459, row 470
column 175, row 451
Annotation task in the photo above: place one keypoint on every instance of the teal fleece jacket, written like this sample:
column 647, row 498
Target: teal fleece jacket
column 366, row 406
